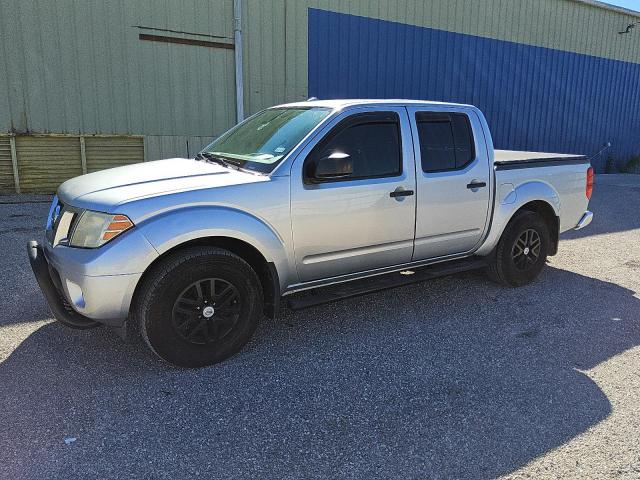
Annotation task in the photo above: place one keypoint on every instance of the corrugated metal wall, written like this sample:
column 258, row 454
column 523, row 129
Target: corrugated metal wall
column 108, row 152
column 534, row 98
column 80, row 67
column 563, row 25
column 165, row 146
column 276, row 33
column 45, row 161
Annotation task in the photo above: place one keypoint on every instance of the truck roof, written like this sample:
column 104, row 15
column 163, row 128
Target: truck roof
column 502, row 157
column 340, row 103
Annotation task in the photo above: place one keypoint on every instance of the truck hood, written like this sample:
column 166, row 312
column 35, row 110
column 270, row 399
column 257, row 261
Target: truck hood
column 109, row 188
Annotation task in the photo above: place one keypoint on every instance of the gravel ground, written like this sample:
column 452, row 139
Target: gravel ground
column 453, row 378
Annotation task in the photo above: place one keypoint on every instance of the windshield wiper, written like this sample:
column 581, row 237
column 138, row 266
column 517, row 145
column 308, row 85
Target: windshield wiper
column 213, row 158
column 224, row 162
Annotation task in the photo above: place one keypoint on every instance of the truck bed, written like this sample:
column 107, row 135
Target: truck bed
column 511, row 159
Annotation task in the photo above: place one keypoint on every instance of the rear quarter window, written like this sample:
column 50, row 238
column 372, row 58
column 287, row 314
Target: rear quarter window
column 446, row 141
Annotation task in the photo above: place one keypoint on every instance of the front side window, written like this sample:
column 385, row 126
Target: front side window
column 370, row 140
column 446, row 141
column 264, row 140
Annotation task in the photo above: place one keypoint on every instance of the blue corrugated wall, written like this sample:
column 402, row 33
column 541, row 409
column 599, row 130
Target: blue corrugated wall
column 534, row 98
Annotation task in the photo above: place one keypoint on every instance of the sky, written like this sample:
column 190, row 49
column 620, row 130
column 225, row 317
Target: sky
column 630, row 4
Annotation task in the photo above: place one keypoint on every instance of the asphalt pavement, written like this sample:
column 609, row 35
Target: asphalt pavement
column 451, row 378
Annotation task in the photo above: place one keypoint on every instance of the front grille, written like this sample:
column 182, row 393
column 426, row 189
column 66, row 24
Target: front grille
column 52, row 221
column 57, row 216
column 59, row 222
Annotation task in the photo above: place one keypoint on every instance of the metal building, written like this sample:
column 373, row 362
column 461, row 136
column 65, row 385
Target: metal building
column 89, row 84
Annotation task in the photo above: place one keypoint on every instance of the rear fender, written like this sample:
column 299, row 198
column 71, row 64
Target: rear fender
column 509, row 200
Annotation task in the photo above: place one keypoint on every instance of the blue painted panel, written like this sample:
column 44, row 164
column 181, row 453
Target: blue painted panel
column 534, row 98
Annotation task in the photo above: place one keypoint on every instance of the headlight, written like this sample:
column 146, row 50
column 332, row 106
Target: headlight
column 94, row 229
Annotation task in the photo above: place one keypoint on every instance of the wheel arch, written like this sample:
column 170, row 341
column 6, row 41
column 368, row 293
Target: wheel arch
column 546, row 211
column 532, row 196
column 266, row 271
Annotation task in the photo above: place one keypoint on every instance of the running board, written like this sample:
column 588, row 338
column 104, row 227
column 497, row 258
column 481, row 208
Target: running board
column 318, row 296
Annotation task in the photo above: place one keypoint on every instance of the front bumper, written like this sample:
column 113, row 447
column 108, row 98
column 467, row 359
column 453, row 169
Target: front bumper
column 585, row 220
column 52, row 290
column 77, row 299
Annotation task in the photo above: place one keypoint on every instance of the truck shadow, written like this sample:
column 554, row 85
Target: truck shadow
column 451, row 378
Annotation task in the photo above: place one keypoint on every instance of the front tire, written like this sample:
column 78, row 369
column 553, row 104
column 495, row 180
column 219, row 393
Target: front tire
column 522, row 251
column 199, row 306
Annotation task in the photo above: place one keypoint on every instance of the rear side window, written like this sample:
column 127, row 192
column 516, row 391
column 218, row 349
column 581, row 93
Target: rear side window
column 446, row 141
column 372, row 140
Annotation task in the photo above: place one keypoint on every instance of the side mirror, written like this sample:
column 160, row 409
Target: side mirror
column 332, row 167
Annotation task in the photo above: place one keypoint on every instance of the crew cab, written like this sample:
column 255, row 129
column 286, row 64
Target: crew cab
column 192, row 253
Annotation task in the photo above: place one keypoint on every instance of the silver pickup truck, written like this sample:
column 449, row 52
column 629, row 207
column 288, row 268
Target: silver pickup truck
column 191, row 253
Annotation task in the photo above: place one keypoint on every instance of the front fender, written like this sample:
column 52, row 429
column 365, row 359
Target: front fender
column 509, row 200
column 176, row 227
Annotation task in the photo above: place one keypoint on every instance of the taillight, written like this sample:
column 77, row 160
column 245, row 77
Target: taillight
column 589, row 189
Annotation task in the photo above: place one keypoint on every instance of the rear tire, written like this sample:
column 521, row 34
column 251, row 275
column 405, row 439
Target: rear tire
column 522, row 250
column 199, row 306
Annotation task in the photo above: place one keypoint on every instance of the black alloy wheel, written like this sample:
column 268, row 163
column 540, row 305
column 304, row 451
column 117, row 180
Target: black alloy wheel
column 522, row 250
column 526, row 249
column 206, row 311
column 198, row 306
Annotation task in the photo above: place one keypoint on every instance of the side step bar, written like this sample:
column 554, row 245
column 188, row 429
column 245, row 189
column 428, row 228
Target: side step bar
column 355, row 288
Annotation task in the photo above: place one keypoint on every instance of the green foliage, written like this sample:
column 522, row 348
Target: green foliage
column 633, row 165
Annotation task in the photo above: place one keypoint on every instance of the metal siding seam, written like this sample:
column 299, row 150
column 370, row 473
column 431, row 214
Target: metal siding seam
column 125, row 65
column 343, row 42
column 563, row 94
column 6, row 113
column 511, row 93
column 42, row 72
column 544, row 128
column 83, row 155
column 575, row 115
column 626, row 111
column 600, row 103
column 14, row 164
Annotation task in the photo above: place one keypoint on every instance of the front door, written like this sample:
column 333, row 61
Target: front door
column 364, row 219
column 453, row 182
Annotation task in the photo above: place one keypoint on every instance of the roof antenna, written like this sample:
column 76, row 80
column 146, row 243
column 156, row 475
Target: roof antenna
column 604, row 147
column 311, row 99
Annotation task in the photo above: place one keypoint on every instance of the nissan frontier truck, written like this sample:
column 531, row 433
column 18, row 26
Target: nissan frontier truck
column 332, row 196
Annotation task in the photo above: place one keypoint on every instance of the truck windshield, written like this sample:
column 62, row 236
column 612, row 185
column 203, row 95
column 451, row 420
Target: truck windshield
column 261, row 142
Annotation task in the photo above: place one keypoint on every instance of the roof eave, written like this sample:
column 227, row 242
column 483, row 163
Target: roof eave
column 606, row 6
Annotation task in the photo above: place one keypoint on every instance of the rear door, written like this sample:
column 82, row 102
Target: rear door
column 367, row 220
column 453, row 182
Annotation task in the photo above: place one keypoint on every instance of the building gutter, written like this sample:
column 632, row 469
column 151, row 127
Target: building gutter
column 237, row 40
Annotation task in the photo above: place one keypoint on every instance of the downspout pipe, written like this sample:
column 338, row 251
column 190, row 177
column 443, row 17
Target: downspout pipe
column 237, row 40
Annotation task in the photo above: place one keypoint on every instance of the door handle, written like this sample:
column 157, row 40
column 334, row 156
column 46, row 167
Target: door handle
column 476, row 184
column 400, row 193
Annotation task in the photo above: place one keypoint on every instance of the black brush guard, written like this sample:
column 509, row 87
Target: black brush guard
column 60, row 308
